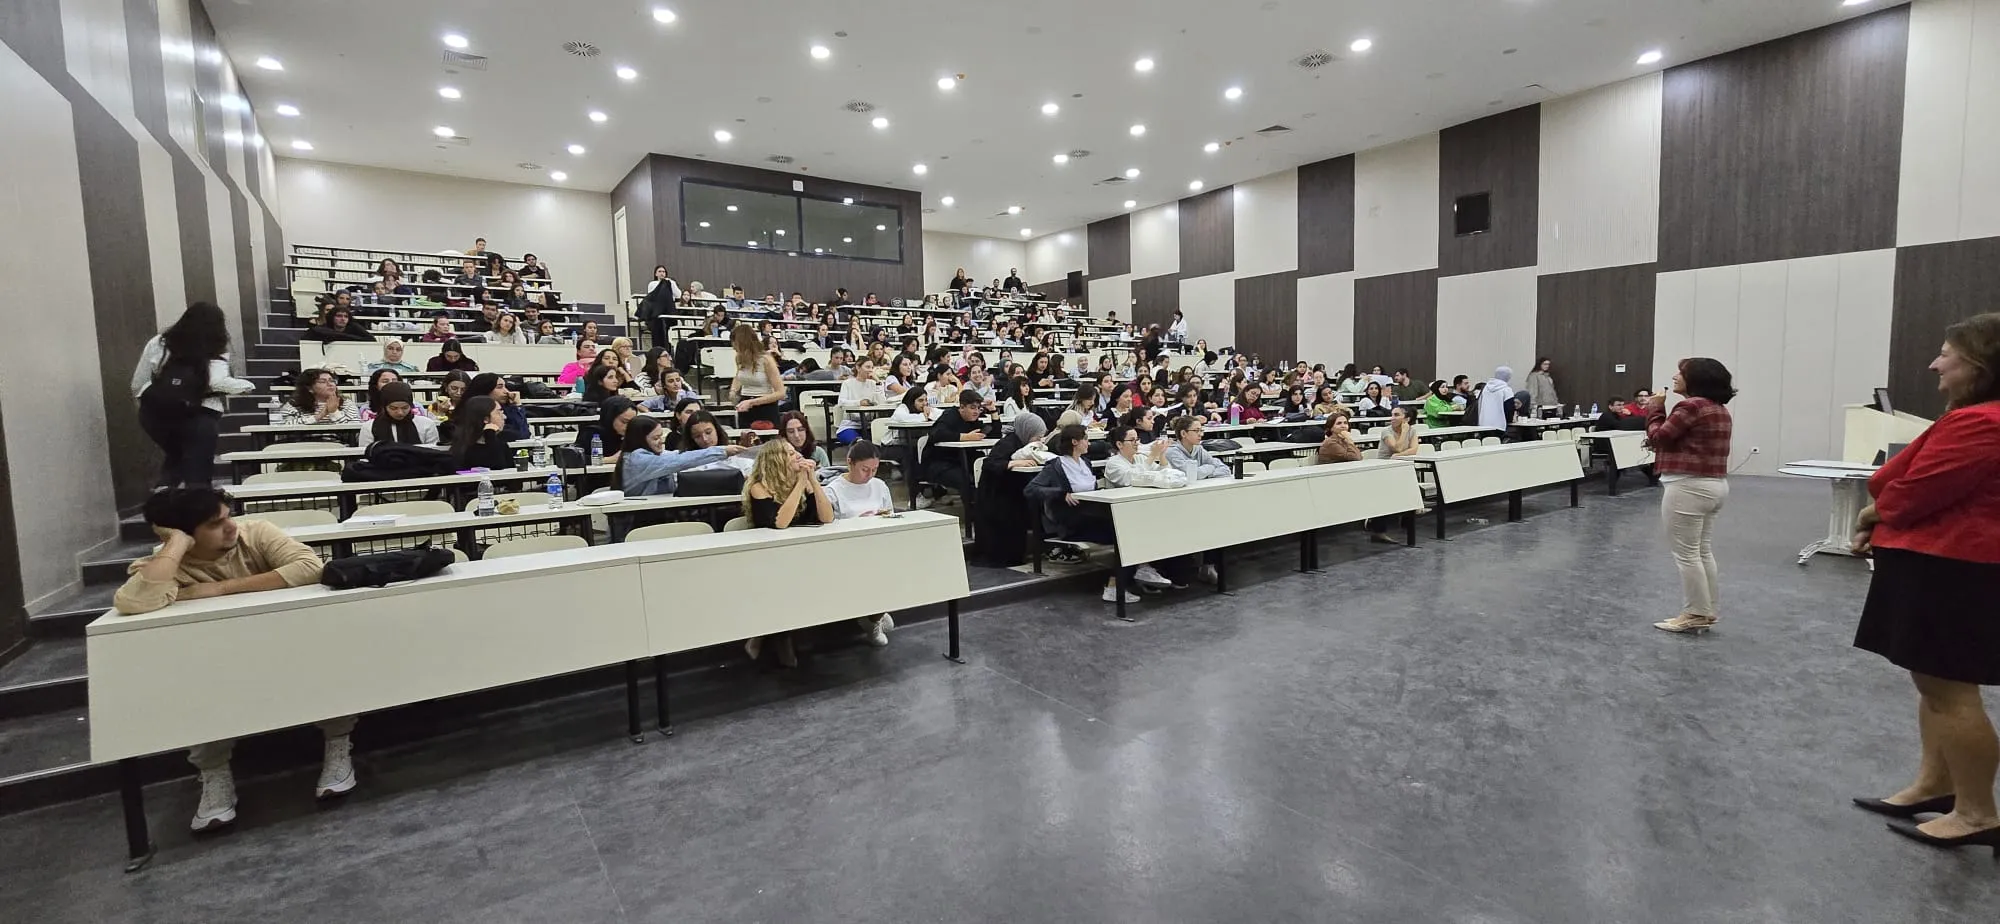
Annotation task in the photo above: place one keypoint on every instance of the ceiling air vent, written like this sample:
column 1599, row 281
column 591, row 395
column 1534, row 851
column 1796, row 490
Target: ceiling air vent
column 582, row 49
column 1110, row 181
column 460, row 59
column 1313, row 60
column 529, row 165
column 1272, row 131
column 855, row 105
column 458, row 140
column 779, row 158
column 1078, row 154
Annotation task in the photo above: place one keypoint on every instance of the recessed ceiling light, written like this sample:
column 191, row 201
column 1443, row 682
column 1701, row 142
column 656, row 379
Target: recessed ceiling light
column 1195, row 185
column 301, row 145
column 576, row 149
column 819, row 250
column 1061, row 159
column 881, row 227
column 1131, row 203
column 597, row 116
column 662, row 14
column 1233, row 93
column 781, row 232
column 287, row 109
column 443, row 131
column 749, row 243
column 1025, row 232
column 1361, row 44
column 722, row 135
column 1651, row 57
column 627, row 73
column 847, row 201
column 1050, row 109
column 732, row 208
column 1143, row 65
column 455, row 40
column 847, row 240
column 449, row 92
column 269, row 63
column 822, row 52
column 1212, row 147
column 879, row 122
column 704, row 224
column 948, row 201
column 558, row 175
column 1138, row 130
column 1852, row 2
column 1132, row 173
column 1013, row 210
column 946, row 83
column 920, row 169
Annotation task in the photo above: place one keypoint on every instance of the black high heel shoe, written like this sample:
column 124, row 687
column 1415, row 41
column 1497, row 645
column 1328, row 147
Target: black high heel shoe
column 1987, row 838
column 1940, row 805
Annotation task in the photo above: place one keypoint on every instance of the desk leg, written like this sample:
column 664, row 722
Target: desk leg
column 1575, row 499
column 965, row 527
column 1222, row 572
column 1513, row 506
column 632, row 703
column 951, row 625
column 1410, row 529
column 138, row 841
column 660, row 695
column 1121, row 586
column 1440, row 517
column 1611, row 477
column 1309, row 552
column 468, row 542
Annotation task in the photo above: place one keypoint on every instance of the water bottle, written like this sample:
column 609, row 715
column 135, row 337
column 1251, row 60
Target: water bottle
column 521, row 459
column 1235, row 414
column 485, row 506
column 1593, row 410
column 555, row 488
column 597, row 449
column 541, row 458
column 276, row 412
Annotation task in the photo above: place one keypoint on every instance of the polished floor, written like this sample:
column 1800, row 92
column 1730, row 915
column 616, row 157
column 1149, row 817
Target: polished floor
column 1480, row 730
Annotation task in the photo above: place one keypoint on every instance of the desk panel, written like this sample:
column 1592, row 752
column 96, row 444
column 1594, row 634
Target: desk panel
column 1484, row 471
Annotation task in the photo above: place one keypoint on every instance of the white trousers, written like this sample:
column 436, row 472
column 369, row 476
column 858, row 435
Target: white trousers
column 1688, row 509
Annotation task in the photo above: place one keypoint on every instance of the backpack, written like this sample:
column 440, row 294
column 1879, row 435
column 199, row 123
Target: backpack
column 177, row 389
column 391, row 461
column 384, row 568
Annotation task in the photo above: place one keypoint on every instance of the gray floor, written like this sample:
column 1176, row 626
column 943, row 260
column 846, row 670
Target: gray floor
column 1483, row 730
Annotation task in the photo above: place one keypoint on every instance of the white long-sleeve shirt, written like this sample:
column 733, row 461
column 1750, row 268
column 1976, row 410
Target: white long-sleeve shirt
column 1142, row 472
column 220, row 381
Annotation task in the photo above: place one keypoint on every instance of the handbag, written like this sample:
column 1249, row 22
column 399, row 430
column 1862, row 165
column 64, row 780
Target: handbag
column 709, row 482
column 384, row 568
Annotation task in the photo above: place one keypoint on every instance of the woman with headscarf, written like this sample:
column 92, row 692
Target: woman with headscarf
column 1493, row 400
column 400, row 420
column 1000, row 516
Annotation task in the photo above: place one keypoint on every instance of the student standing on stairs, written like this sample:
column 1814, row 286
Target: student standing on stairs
column 205, row 553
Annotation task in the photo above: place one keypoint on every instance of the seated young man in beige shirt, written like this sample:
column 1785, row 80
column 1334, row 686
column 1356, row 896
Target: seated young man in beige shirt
column 204, row 552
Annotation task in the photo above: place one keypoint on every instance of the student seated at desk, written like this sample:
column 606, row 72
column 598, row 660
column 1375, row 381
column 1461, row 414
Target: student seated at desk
column 1054, row 490
column 545, row 333
column 372, row 395
column 451, row 358
column 781, row 492
column 916, row 408
column 316, row 399
column 703, row 431
column 399, row 420
column 508, row 330
column 672, row 390
column 492, row 385
column 1440, row 402
column 793, row 429
column 586, row 359
column 477, row 440
column 1375, row 402
column 614, row 419
column 451, row 390
column 944, row 468
column 902, row 376
column 1618, row 415
column 205, row 553
column 338, row 325
column 1337, row 445
column 647, row 468
column 392, row 360
column 1083, row 408
column 1249, row 405
column 440, row 330
column 603, row 382
column 1186, row 452
column 860, row 391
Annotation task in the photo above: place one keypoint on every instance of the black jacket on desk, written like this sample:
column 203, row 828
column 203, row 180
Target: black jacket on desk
column 355, row 330
column 489, row 451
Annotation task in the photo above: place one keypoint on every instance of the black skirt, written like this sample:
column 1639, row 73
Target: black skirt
column 1935, row 616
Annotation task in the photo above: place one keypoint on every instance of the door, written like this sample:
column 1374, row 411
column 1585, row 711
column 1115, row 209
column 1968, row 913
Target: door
column 622, row 252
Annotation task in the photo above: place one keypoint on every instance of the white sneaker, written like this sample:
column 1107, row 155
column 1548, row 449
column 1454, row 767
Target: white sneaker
column 336, row 771
column 877, row 636
column 1111, row 594
column 888, row 622
column 218, row 801
column 1148, row 575
column 924, row 502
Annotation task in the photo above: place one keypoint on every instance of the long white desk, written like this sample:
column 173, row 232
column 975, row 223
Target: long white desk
column 344, row 493
column 465, row 525
column 1484, row 471
column 1153, row 524
column 1624, row 449
column 225, row 667
column 504, row 358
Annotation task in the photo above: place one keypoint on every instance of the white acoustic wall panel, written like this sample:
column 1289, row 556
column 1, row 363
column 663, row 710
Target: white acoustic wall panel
column 61, row 487
column 163, row 228
column 1808, row 362
column 981, row 257
column 1716, row 296
column 1267, row 224
column 1396, row 208
column 222, row 246
column 95, row 51
column 1055, row 256
column 1673, row 323
column 1486, row 320
column 1156, row 241
column 1950, row 187
column 1326, row 319
column 1209, row 304
column 1600, row 177
column 1861, row 336
column 1760, row 379
column 177, row 60
column 1112, row 293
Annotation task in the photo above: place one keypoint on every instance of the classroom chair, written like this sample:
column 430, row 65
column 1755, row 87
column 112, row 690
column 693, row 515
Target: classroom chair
column 289, row 477
column 528, row 500
column 669, row 531
column 1448, row 445
column 288, row 519
column 736, row 524
column 1245, row 441
column 1253, row 468
column 1276, row 464
column 1490, row 441
column 531, row 544
column 416, row 508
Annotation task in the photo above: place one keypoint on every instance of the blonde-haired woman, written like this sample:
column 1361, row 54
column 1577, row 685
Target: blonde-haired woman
column 758, row 386
column 780, row 493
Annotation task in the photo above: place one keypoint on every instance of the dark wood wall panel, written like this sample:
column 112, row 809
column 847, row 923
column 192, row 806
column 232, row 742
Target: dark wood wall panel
column 1501, row 155
column 1326, row 217
column 1937, row 285
column 1592, row 321
column 114, row 222
column 1267, row 316
column 757, row 271
column 1208, row 233
column 1788, row 149
column 1155, row 299
column 1395, row 322
column 634, row 194
column 1110, row 247
column 1059, row 288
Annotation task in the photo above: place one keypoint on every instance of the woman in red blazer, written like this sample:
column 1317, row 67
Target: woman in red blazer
column 1934, row 604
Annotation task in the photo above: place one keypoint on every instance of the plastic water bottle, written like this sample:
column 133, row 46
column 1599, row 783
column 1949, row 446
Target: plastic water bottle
column 485, row 506
column 1235, row 414
column 555, row 489
column 1593, row 410
column 597, row 449
column 541, row 458
column 276, row 412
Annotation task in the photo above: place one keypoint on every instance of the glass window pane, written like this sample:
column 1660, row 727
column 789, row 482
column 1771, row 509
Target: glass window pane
column 741, row 218
column 861, row 231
